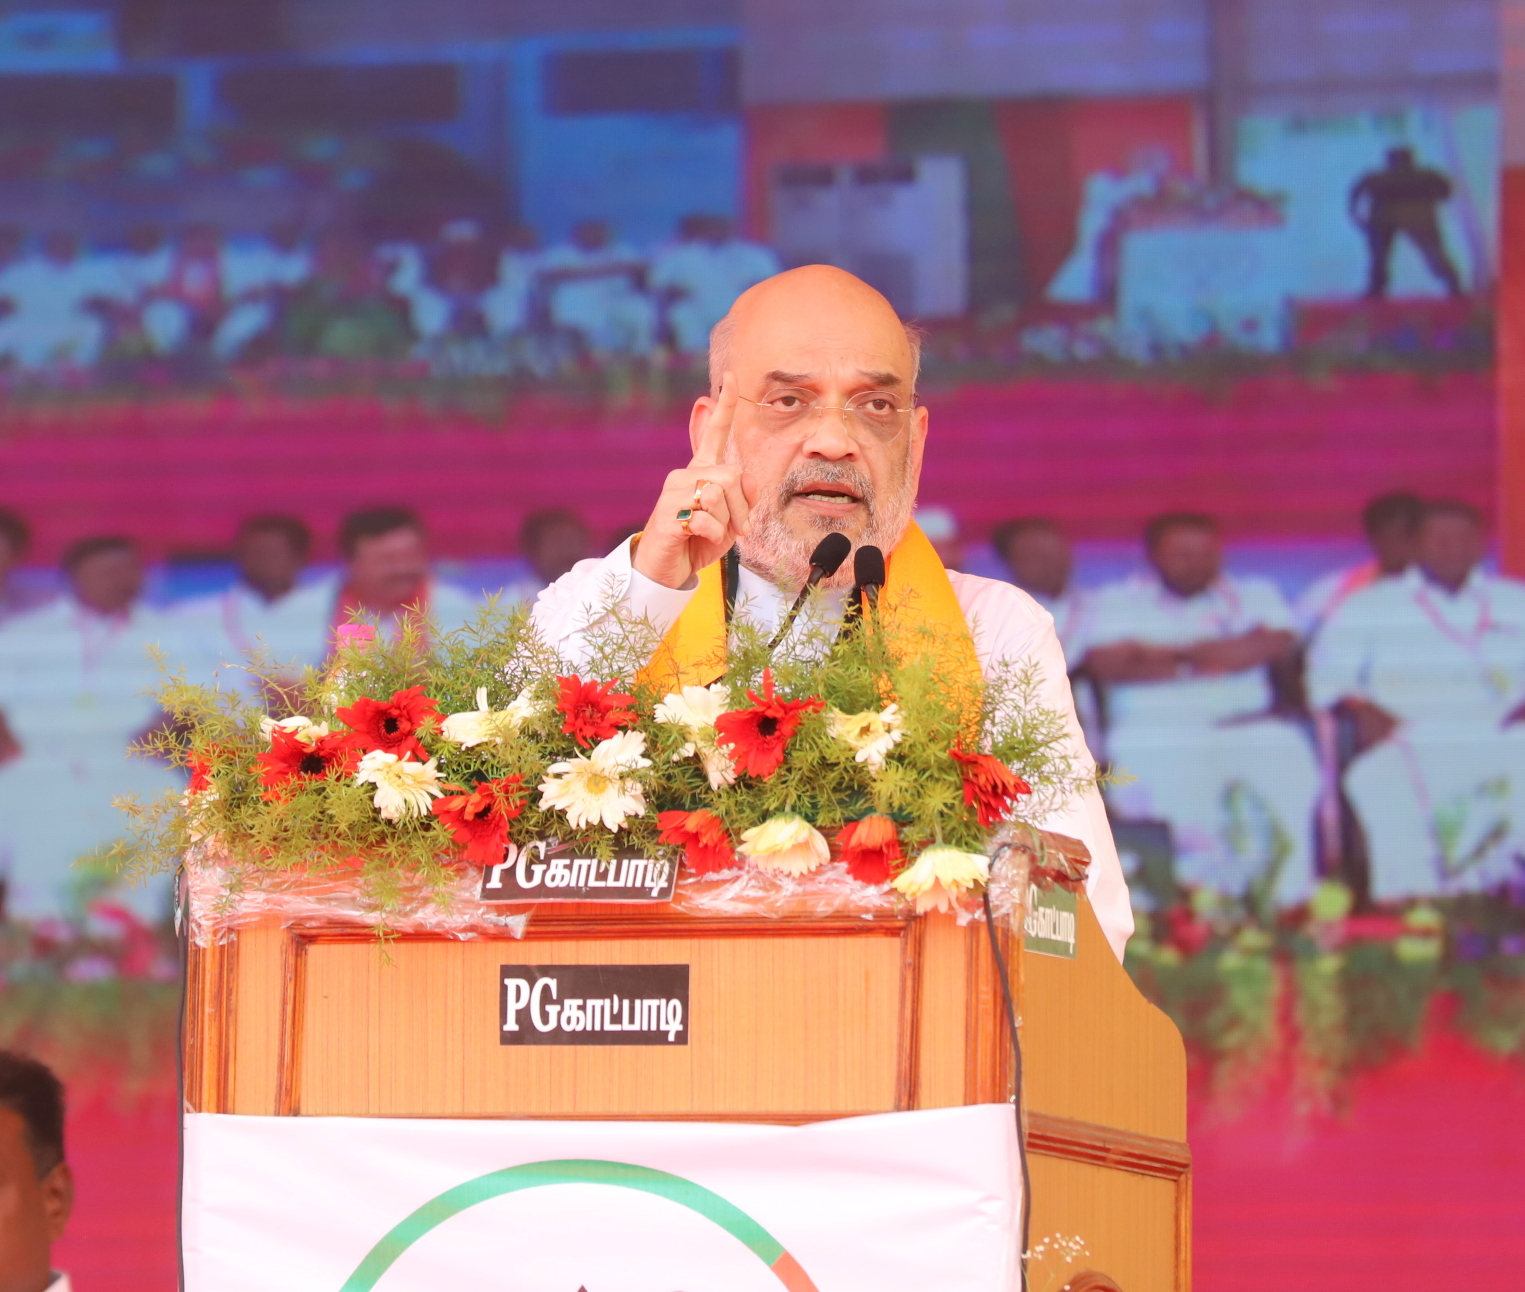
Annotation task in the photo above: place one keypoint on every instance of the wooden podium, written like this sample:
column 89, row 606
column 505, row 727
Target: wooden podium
column 793, row 1019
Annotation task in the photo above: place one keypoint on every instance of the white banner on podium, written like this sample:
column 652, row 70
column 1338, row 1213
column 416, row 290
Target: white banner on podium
column 903, row 1202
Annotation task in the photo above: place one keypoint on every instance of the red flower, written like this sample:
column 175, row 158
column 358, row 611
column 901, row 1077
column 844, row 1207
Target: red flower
column 871, row 848
column 479, row 817
column 391, row 726
column 759, row 736
column 1185, row 931
column 594, row 710
column 289, row 759
column 990, row 786
column 705, row 841
column 201, row 774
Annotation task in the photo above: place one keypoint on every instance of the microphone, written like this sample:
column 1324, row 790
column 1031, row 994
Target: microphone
column 825, row 561
column 868, row 575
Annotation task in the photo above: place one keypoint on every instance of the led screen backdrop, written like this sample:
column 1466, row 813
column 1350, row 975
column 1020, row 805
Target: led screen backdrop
column 268, row 268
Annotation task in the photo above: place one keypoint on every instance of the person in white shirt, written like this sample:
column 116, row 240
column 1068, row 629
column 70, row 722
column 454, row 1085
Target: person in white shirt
column 702, row 273
column 550, row 543
column 811, row 426
column 269, row 612
column 387, row 579
column 1430, row 667
column 1041, row 561
column 1391, row 525
column 511, row 300
column 51, row 294
column 595, row 286
column 256, row 274
column 1184, row 654
column 76, row 690
column 36, row 1184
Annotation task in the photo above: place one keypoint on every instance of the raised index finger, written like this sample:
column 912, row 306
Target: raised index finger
column 717, row 428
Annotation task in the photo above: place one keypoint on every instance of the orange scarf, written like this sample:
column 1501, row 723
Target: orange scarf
column 917, row 592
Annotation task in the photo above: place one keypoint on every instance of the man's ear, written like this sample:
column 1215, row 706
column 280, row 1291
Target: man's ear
column 696, row 419
column 57, row 1199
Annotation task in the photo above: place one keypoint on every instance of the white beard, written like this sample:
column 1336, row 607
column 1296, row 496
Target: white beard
column 775, row 552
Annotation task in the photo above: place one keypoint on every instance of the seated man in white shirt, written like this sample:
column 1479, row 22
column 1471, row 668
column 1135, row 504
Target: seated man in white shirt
column 36, row 1185
column 15, row 539
column 387, row 579
column 76, row 690
column 702, row 273
column 269, row 610
column 811, row 426
column 1391, row 524
column 596, row 288
column 1431, row 668
column 1184, row 654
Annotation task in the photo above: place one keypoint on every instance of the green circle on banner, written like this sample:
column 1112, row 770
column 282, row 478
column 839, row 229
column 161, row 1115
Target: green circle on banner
column 623, row 1175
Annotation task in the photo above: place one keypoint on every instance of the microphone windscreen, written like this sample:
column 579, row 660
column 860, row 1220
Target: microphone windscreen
column 830, row 552
column 868, row 567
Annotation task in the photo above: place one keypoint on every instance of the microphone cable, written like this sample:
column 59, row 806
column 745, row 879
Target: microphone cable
column 1016, row 1102
column 825, row 561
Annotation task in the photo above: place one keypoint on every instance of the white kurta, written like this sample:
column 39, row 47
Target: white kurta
column 76, row 690
column 606, row 308
column 223, row 632
column 1443, row 800
column 1226, row 778
column 1007, row 625
column 710, row 277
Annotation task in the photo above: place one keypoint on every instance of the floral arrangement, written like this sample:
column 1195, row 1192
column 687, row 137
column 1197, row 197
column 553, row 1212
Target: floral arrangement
column 416, row 757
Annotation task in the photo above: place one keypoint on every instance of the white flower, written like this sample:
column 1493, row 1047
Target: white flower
column 482, row 724
column 403, row 787
column 788, row 844
column 695, row 709
column 597, row 786
column 304, row 729
column 940, row 876
column 873, row 735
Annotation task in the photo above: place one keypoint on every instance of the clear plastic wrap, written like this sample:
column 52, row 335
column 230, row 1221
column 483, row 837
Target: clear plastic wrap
column 221, row 896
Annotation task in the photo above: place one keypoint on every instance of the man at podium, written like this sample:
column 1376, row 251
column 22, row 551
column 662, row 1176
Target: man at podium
column 812, row 426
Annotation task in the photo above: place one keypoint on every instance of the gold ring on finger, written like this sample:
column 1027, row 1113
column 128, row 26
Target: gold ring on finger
column 698, row 504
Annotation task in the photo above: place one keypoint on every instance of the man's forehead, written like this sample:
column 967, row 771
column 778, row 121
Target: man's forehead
column 878, row 377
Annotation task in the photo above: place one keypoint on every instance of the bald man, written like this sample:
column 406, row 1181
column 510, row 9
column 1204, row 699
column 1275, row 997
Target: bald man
column 811, row 426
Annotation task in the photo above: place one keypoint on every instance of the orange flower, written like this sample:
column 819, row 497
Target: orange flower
column 594, row 710
column 759, row 736
column 391, row 726
column 705, row 841
column 871, row 848
column 479, row 817
column 990, row 786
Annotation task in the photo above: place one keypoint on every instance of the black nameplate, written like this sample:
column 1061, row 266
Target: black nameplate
column 541, row 872
column 593, row 1005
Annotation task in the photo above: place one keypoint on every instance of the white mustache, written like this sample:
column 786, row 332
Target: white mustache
column 828, row 473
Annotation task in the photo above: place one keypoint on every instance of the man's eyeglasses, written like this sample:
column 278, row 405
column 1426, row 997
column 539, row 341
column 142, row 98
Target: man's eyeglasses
column 873, row 414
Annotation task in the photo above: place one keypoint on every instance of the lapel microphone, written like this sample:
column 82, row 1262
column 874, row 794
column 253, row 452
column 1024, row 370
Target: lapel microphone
column 825, row 561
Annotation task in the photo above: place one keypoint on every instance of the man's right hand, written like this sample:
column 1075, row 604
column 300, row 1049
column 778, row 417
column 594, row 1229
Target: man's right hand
column 666, row 554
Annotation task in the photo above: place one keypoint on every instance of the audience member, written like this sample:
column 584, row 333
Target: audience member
column 512, row 302
column 15, row 539
column 345, row 309
column 595, row 286
column 76, row 679
column 1038, row 555
column 51, row 294
column 387, row 576
column 1183, row 653
column 699, row 277
column 36, row 1185
column 1391, row 523
column 268, row 610
column 551, row 543
column 257, row 276
column 1430, row 666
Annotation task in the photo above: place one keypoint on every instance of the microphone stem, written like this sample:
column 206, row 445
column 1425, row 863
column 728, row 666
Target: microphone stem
column 816, row 574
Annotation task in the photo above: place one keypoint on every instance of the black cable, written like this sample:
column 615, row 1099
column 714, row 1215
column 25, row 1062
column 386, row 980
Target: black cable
column 1016, row 1102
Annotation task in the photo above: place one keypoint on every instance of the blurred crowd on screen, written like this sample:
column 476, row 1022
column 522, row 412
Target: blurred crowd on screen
column 469, row 300
column 1370, row 730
